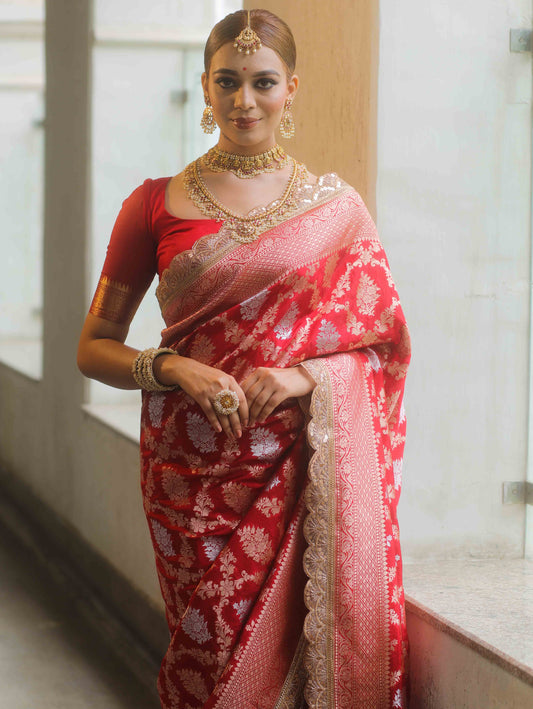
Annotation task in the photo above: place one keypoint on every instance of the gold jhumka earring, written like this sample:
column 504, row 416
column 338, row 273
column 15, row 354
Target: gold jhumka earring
column 287, row 127
column 247, row 42
column 208, row 120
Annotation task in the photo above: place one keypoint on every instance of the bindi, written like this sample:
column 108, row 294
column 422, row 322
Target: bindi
column 244, row 68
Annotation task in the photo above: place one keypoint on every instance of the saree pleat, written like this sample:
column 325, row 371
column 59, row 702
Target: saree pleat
column 278, row 554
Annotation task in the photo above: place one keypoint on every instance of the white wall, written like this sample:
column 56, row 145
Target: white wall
column 453, row 198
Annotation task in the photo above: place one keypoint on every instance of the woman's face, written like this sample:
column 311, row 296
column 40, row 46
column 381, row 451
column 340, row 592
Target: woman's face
column 248, row 94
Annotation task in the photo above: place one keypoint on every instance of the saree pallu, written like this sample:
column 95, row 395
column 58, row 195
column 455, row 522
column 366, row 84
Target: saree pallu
column 278, row 554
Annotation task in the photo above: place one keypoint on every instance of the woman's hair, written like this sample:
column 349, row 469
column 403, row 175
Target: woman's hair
column 272, row 31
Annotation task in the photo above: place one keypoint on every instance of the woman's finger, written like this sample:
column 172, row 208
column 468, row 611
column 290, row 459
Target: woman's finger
column 235, row 424
column 261, row 397
column 243, row 410
column 249, row 382
column 269, row 406
column 211, row 415
column 226, row 425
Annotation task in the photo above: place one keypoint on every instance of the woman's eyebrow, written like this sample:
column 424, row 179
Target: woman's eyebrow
column 232, row 72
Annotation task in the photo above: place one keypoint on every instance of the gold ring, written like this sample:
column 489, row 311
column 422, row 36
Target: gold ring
column 226, row 402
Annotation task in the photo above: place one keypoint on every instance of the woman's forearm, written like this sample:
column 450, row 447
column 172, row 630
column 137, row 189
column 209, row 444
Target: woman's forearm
column 108, row 361
column 104, row 356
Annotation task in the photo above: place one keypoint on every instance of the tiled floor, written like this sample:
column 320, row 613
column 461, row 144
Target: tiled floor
column 490, row 599
column 50, row 658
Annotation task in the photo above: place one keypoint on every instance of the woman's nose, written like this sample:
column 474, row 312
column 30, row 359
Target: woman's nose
column 244, row 98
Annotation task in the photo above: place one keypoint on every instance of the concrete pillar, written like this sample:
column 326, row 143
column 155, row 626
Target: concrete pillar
column 66, row 229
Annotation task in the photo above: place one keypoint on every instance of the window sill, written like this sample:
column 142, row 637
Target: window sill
column 24, row 355
column 124, row 419
column 485, row 604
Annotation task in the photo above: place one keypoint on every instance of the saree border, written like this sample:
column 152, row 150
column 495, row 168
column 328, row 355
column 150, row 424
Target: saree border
column 347, row 626
column 291, row 696
column 189, row 265
column 318, row 557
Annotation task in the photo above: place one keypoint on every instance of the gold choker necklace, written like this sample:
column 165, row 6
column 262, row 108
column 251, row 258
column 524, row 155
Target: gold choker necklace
column 245, row 166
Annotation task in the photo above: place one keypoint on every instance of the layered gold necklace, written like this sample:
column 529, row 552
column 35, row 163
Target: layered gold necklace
column 244, row 228
column 245, row 166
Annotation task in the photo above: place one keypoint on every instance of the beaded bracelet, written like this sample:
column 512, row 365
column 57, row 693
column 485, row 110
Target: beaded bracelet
column 143, row 369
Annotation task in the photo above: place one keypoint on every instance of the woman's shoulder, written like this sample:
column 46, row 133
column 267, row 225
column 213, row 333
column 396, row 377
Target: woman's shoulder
column 164, row 196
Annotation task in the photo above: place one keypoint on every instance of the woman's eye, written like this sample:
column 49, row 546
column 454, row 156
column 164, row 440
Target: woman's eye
column 225, row 83
column 265, row 83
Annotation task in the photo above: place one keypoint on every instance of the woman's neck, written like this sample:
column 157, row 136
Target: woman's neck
column 229, row 146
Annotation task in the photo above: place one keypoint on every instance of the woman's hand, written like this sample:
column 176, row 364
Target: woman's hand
column 268, row 387
column 203, row 383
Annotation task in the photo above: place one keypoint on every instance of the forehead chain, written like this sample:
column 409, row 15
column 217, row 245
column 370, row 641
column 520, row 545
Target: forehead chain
column 247, row 42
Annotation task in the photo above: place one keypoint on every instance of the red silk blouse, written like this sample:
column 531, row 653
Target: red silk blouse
column 144, row 240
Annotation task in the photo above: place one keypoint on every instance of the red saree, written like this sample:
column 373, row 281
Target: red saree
column 278, row 555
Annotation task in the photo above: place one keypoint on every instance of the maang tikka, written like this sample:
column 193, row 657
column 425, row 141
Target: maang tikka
column 208, row 120
column 247, row 42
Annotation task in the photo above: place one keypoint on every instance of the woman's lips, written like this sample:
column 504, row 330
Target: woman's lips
column 245, row 123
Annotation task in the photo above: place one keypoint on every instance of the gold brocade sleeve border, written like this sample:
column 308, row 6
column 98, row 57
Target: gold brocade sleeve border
column 112, row 301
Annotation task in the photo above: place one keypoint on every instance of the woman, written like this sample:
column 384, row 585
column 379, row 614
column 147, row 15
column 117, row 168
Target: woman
column 279, row 564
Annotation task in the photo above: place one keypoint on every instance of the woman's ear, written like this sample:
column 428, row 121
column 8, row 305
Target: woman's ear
column 204, row 84
column 292, row 86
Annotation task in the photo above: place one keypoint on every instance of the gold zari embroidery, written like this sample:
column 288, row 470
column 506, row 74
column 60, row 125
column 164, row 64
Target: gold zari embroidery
column 112, row 301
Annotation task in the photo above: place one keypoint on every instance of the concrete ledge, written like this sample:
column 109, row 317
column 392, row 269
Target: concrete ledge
column 450, row 669
column 129, row 624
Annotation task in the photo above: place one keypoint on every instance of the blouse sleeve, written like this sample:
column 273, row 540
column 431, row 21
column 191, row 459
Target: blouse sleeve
column 130, row 263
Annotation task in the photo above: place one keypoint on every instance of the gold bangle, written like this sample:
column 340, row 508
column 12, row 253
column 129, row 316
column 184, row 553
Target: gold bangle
column 142, row 369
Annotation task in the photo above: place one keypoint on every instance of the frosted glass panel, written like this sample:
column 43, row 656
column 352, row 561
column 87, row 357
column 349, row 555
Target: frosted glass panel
column 22, row 10
column 181, row 16
column 21, row 181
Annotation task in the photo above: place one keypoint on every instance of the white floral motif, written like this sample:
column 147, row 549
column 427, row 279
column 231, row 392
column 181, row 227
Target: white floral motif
column 201, row 434
column 398, row 700
column 256, row 543
column 402, row 413
column 242, row 607
column 373, row 359
column 328, row 337
column 397, row 467
column 163, row 538
column 367, row 295
column 283, row 329
column 213, row 546
column 195, row 626
column 272, row 483
column 194, row 683
column 202, row 349
column 155, row 408
column 264, row 443
column 251, row 307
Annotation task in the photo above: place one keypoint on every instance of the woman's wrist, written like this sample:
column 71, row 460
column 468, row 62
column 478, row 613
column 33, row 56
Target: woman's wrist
column 166, row 367
column 311, row 382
